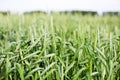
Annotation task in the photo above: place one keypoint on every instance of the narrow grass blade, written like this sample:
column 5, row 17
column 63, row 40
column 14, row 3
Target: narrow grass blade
column 30, row 55
column 69, row 67
column 20, row 70
column 76, row 76
column 47, row 68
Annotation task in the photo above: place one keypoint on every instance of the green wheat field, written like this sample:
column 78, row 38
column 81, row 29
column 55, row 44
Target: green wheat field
column 59, row 47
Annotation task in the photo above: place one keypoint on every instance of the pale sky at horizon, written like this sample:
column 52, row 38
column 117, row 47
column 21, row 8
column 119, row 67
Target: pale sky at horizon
column 59, row 5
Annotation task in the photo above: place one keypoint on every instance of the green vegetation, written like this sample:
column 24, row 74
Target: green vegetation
column 59, row 47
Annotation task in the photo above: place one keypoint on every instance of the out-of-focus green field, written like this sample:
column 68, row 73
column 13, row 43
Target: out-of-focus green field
column 59, row 47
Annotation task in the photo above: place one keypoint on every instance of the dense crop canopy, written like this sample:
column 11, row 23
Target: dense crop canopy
column 59, row 47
